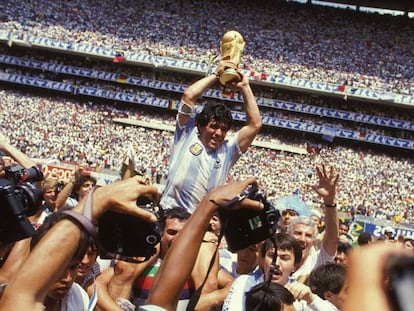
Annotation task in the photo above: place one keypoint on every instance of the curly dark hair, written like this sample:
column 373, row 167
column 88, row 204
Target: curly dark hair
column 214, row 111
column 79, row 181
column 175, row 212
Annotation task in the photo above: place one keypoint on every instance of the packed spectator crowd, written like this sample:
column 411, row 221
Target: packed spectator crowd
column 67, row 130
column 339, row 47
column 54, row 263
column 308, row 263
column 266, row 93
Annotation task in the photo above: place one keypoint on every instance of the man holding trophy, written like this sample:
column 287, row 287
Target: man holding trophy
column 202, row 155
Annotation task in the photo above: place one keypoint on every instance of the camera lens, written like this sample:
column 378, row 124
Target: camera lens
column 152, row 239
column 30, row 196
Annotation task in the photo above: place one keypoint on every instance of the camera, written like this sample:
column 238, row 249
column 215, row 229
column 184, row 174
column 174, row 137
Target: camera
column 126, row 237
column 401, row 283
column 244, row 227
column 18, row 174
column 19, row 199
column 59, row 187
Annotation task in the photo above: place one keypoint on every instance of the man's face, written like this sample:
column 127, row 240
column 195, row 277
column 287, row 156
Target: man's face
column 285, row 265
column 341, row 257
column 316, row 220
column 286, row 216
column 215, row 224
column 343, row 229
column 87, row 262
column 212, row 135
column 85, row 188
column 172, row 228
column 49, row 195
column 247, row 259
column 305, row 235
column 62, row 286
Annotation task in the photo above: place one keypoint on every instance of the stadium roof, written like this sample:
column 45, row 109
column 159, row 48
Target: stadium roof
column 398, row 5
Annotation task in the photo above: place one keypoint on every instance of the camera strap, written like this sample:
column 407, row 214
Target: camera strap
column 85, row 219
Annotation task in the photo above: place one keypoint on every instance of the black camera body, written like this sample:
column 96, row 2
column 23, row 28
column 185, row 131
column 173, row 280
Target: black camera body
column 18, row 199
column 18, row 174
column 127, row 237
column 245, row 227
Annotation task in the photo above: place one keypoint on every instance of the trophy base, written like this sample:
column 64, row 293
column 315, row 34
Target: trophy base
column 229, row 75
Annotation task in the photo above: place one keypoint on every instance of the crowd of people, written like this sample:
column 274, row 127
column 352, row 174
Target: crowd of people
column 360, row 50
column 58, row 257
column 377, row 183
column 292, row 266
column 364, row 128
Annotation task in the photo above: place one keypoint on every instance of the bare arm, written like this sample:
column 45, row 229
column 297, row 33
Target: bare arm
column 64, row 194
column 366, row 277
column 15, row 153
column 68, row 188
column 193, row 92
column 253, row 125
column 125, row 273
column 216, row 298
column 180, row 259
column 15, row 259
column 105, row 301
column 327, row 190
column 29, row 288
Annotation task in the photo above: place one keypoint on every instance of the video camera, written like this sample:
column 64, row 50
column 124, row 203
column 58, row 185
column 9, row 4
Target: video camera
column 125, row 237
column 18, row 174
column 19, row 199
column 245, row 227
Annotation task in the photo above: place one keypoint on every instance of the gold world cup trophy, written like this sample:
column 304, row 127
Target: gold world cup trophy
column 231, row 45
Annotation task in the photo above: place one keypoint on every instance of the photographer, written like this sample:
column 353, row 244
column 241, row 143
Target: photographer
column 29, row 288
column 12, row 254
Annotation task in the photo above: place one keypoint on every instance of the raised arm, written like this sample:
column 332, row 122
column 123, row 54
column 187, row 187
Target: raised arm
column 194, row 91
column 15, row 153
column 253, row 124
column 180, row 259
column 326, row 189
